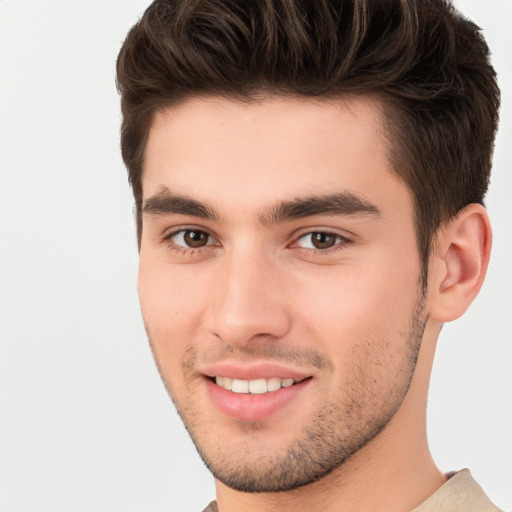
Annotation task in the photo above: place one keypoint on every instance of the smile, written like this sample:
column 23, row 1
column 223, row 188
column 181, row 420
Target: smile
column 255, row 386
column 265, row 390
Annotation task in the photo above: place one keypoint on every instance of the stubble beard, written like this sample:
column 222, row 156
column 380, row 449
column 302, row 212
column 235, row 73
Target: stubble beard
column 332, row 437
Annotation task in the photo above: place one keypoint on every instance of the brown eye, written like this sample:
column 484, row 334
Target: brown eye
column 195, row 238
column 323, row 240
column 191, row 238
column 319, row 240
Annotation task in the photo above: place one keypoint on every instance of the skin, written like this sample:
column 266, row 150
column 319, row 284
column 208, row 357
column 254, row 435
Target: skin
column 351, row 316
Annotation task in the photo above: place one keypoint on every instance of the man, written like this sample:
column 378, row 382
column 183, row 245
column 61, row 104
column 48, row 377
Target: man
column 309, row 181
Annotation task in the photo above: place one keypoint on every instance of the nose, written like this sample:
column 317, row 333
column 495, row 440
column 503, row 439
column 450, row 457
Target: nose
column 250, row 302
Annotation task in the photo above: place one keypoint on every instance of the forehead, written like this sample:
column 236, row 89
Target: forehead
column 243, row 155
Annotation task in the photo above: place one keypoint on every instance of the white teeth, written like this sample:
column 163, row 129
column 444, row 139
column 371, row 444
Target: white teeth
column 255, row 387
column 240, row 386
column 287, row 383
column 273, row 384
column 258, row 386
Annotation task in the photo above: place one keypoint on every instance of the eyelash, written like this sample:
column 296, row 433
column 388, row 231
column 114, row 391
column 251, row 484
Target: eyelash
column 184, row 250
column 341, row 242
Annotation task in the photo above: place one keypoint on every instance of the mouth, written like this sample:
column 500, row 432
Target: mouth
column 255, row 386
column 255, row 399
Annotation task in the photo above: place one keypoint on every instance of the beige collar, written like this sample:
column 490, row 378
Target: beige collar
column 461, row 493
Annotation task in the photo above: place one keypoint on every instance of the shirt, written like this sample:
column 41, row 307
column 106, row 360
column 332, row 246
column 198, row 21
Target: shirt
column 460, row 493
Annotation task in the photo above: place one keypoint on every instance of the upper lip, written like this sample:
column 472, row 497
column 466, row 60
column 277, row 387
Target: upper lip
column 252, row 371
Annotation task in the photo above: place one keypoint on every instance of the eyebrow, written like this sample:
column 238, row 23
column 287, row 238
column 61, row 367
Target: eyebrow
column 344, row 203
column 165, row 202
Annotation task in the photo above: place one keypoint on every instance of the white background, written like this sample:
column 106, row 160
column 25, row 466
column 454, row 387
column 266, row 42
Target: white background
column 85, row 423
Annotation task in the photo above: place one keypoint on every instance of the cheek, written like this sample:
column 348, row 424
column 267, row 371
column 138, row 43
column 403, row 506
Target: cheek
column 356, row 305
column 170, row 296
column 172, row 311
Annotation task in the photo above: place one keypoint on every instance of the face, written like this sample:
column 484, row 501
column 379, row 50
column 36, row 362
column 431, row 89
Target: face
column 279, row 282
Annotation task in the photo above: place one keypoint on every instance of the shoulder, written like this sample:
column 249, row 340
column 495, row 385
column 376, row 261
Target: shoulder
column 460, row 493
column 212, row 507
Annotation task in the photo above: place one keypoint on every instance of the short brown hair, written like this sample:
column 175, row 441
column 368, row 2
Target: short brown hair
column 425, row 61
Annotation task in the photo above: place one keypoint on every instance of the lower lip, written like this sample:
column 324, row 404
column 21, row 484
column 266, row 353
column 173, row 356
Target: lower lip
column 248, row 407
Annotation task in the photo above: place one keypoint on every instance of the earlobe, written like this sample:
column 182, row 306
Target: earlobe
column 459, row 263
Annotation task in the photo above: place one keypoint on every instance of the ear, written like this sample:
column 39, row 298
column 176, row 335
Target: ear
column 458, row 263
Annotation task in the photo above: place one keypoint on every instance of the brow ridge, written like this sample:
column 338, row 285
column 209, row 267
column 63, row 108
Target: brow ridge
column 166, row 202
column 343, row 203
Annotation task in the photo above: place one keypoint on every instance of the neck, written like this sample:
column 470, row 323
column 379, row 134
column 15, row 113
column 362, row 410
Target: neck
column 393, row 473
